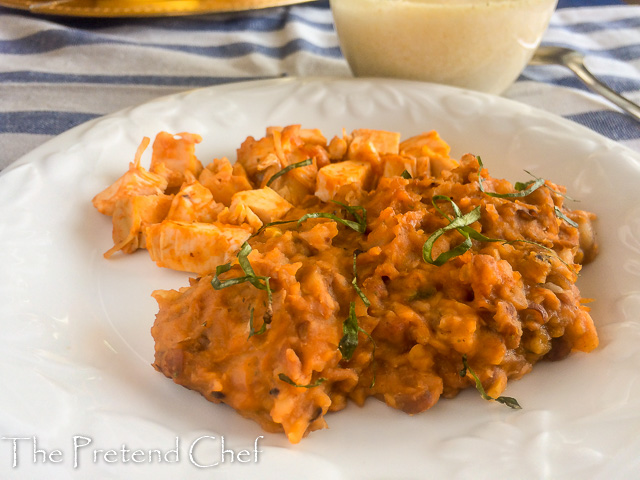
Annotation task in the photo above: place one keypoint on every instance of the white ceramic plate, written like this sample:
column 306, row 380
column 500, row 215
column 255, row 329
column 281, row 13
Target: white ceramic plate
column 74, row 328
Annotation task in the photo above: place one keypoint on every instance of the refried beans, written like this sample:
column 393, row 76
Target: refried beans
column 330, row 271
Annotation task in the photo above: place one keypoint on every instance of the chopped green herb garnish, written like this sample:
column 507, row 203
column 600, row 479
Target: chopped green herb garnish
column 445, row 256
column 423, row 294
column 562, row 216
column 218, row 284
column 508, row 401
column 563, row 195
column 456, row 210
column 459, row 223
column 253, row 332
column 354, row 282
column 458, row 213
column 519, row 186
column 288, row 168
column 358, row 212
column 260, row 282
column 350, row 327
column 349, row 340
column 539, row 245
column 286, row 379
column 469, row 233
column 406, row 175
column 523, row 189
column 349, row 223
column 243, row 259
column 272, row 224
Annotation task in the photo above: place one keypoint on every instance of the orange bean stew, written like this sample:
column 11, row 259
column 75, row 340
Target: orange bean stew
column 361, row 266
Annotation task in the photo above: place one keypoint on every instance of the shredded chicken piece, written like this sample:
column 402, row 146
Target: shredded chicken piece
column 131, row 216
column 194, row 247
column 136, row 181
column 174, row 156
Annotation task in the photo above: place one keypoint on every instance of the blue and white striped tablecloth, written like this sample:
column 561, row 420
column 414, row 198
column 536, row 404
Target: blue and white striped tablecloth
column 58, row 72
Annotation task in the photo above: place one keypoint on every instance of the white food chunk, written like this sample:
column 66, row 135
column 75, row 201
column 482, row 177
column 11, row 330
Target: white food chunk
column 194, row 247
column 395, row 165
column 335, row 175
column 265, row 202
column 380, row 141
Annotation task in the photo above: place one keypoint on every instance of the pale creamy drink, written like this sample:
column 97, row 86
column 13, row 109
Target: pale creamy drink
column 477, row 44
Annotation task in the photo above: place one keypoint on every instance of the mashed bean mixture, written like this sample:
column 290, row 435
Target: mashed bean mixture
column 363, row 266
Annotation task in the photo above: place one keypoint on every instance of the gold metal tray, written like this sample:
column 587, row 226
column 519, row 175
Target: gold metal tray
column 140, row 8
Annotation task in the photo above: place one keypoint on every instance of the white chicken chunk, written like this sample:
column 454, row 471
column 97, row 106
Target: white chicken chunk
column 194, row 203
column 369, row 145
column 194, row 247
column 431, row 152
column 174, row 155
column 136, row 181
column 396, row 165
column 264, row 202
column 240, row 215
column 224, row 179
column 382, row 141
column 335, row 175
column 131, row 216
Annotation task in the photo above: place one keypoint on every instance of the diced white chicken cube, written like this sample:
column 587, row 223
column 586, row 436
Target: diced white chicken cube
column 240, row 215
column 382, row 141
column 427, row 144
column 194, row 247
column 368, row 145
column 313, row 136
column 337, row 148
column 335, row 175
column 223, row 179
column 130, row 217
column 194, row 203
column 395, row 165
column 431, row 152
column 441, row 164
column 136, row 181
column 264, row 202
column 174, row 155
column 252, row 154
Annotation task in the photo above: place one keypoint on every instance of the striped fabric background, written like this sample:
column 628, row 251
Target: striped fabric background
column 610, row 38
column 57, row 72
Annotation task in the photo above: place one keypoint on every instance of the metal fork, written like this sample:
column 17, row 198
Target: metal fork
column 574, row 61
